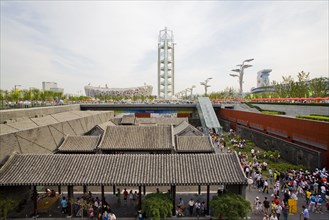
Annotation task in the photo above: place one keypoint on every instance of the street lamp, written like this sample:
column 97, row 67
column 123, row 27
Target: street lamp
column 192, row 91
column 240, row 72
column 205, row 84
column 15, row 87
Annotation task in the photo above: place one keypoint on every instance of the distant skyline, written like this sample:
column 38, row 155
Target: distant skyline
column 75, row 43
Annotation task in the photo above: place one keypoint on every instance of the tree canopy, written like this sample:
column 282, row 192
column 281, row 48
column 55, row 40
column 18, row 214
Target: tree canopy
column 230, row 206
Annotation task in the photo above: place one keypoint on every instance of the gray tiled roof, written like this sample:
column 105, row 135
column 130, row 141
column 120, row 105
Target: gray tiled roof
column 128, row 119
column 105, row 124
column 128, row 170
column 185, row 129
column 79, row 143
column 166, row 121
column 137, row 138
column 194, row 144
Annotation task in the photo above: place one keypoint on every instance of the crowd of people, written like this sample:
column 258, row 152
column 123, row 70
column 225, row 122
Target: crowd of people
column 94, row 208
column 311, row 188
column 284, row 188
column 199, row 207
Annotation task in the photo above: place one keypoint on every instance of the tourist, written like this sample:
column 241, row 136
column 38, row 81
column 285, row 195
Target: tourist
column 319, row 202
column 266, row 217
column 273, row 216
column 180, row 203
column 305, row 213
column 311, row 206
column 64, row 205
column 265, row 189
column 191, row 206
column 308, row 196
column 139, row 215
column 105, row 215
column 130, row 196
column 250, row 182
column 125, row 195
column 266, row 205
column 135, row 196
column 112, row 216
column 259, row 207
column 285, row 211
column 197, row 208
column 203, row 208
column 91, row 213
column 278, row 210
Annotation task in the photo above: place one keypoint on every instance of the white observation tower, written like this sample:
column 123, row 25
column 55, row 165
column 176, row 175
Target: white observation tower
column 166, row 64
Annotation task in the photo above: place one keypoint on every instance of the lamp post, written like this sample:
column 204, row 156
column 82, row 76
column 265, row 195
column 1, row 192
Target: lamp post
column 205, row 84
column 240, row 72
column 16, row 93
column 15, row 87
column 192, row 91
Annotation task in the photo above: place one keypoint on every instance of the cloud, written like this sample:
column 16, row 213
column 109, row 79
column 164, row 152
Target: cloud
column 115, row 43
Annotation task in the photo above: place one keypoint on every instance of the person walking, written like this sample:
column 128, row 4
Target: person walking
column 197, row 208
column 266, row 206
column 285, row 211
column 305, row 213
column 125, row 195
column 64, row 205
column 278, row 210
column 191, row 206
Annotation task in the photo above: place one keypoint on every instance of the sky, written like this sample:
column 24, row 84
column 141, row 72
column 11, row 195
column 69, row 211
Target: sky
column 75, row 43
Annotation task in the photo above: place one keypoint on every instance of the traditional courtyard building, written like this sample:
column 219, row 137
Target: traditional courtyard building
column 140, row 170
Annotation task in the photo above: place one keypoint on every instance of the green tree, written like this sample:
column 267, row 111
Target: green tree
column 230, row 206
column 6, row 204
column 302, row 90
column 26, row 94
column 35, row 94
column 319, row 87
column 14, row 95
column 157, row 205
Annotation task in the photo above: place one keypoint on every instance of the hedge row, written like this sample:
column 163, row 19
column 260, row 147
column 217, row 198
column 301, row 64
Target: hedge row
column 313, row 117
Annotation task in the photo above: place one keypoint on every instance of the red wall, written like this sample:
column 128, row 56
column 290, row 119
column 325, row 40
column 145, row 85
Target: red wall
column 142, row 115
column 313, row 134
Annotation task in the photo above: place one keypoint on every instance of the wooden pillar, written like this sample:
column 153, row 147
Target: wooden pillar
column 114, row 190
column 103, row 197
column 208, row 198
column 69, row 198
column 84, row 189
column 35, row 201
column 59, row 190
column 144, row 190
column 173, row 190
column 139, row 197
column 199, row 190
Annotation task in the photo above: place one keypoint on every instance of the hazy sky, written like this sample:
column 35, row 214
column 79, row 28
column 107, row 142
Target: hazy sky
column 75, row 43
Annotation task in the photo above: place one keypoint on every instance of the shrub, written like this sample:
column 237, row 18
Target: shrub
column 314, row 117
column 157, row 205
column 230, row 205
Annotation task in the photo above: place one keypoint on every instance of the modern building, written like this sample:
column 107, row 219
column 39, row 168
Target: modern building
column 51, row 86
column 94, row 91
column 263, row 82
column 263, row 77
column 166, row 64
